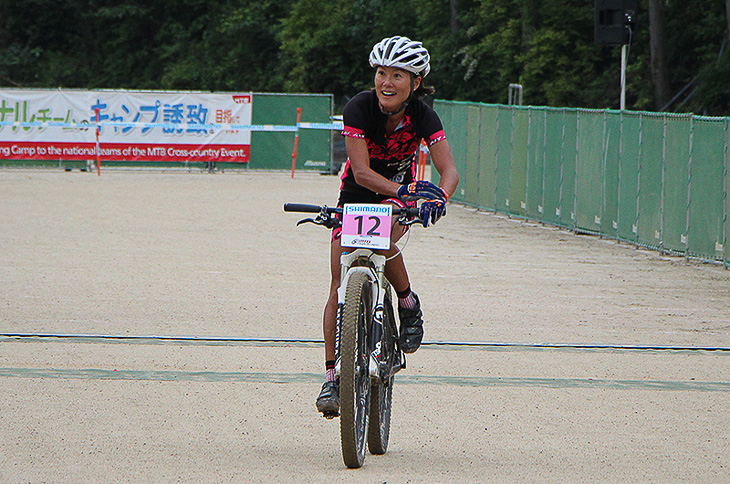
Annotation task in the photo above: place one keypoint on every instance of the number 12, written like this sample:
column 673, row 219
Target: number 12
column 372, row 231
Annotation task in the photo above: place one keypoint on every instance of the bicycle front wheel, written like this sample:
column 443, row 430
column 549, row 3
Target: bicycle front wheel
column 354, row 373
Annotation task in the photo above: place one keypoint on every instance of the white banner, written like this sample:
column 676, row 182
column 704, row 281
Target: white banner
column 132, row 125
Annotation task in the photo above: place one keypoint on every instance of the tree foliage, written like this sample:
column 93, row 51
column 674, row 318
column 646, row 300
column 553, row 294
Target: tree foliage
column 478, row 48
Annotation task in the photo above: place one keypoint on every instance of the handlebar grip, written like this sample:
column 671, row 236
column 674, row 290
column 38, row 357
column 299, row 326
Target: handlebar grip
column 412, row 212
column 302, row 207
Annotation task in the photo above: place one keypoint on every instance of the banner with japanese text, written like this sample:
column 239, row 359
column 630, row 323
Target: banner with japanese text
column 132, row 125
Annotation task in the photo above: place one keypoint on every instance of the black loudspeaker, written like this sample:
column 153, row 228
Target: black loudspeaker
column 614, row 20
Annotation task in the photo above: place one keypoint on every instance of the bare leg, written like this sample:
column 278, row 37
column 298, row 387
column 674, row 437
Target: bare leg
column 329, row 319
column 395, row 268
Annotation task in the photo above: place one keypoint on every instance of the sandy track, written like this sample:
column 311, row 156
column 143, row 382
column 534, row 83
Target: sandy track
column 213, row 255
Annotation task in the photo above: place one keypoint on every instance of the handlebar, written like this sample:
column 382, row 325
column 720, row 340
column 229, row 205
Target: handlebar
column 308, row 208
column 408, row 216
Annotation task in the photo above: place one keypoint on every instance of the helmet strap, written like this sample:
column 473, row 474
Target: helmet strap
column 400, row 109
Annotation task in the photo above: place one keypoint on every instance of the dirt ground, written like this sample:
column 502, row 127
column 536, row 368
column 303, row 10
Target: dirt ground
column 575, row 380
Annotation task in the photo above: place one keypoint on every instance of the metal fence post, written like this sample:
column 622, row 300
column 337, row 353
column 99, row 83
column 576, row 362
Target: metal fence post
column 725, row 252
column 661, row 195
column 635, row 227
column 689, row 184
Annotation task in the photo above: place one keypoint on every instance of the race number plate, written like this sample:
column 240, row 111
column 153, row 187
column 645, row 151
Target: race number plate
column 366, row 225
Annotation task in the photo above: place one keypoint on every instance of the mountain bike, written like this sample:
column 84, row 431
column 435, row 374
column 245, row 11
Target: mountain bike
column 367, row 350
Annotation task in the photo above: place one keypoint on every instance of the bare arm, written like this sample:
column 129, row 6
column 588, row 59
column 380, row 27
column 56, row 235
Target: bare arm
column 443, row 161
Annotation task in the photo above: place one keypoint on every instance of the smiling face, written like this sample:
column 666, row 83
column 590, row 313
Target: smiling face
column 393, row 87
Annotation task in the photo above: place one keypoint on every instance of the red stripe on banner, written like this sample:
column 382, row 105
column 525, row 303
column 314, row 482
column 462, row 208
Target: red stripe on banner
column 30, row 150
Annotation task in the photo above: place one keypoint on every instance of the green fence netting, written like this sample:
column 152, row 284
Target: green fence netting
column 553, row 166
column 706, row 231
column 273, row 150
column 589, row 187
column 676, row 184
column 471, row 184
column 628, row 182
column 653, row 179
column 503, row 160
column 569, row 163
column 651, row 151
column 518, row 168
column 487, row 156
column 611, row 166
column 535, row 164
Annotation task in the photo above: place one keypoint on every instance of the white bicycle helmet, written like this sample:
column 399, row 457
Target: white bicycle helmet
column 403, row 53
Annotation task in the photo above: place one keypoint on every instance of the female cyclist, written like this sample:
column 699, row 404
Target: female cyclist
column 383, row 129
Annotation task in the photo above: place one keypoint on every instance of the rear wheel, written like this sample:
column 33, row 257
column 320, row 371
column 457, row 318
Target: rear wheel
column 354, row 374
column 381, row 395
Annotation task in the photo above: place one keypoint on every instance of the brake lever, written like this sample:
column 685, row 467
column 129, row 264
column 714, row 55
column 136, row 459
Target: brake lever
column 406, row 222
column 323, row 219
column 308, row 220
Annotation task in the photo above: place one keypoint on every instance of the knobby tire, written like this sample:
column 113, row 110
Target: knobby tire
column 354, row 373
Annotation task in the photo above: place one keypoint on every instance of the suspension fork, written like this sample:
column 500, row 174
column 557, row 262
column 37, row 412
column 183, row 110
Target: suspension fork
column 363, row 260
column 376, row 328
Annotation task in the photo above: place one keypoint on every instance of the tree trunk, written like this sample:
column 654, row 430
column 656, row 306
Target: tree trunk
column 657, row 40
column 727, row 17
column 454, row 24
column 529, row 21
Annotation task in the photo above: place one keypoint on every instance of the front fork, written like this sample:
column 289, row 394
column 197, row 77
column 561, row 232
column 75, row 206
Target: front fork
column 376, row 341
column 374, row 264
